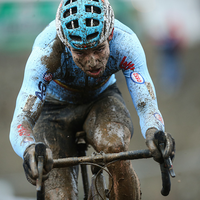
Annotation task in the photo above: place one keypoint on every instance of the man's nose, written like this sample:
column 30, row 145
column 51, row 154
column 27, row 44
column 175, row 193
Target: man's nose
column 92, row 61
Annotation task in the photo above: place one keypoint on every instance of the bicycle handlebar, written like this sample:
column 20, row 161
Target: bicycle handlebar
column 166, row 167
column 101, row 158
column 106, row 158
column 166, row 183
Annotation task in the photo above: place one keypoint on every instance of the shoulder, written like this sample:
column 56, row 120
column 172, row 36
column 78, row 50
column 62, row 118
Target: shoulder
column 125, row 47
column 47, row 51
column 122, row 28
column 124, row 37
column 46, row 36
column 125, row 41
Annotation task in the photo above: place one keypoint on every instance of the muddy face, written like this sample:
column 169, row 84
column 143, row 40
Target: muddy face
column 92, row 61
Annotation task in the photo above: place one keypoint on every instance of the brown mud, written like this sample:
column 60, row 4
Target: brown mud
column 53, row 61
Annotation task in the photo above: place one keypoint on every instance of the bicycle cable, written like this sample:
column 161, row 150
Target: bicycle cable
column 98, row 173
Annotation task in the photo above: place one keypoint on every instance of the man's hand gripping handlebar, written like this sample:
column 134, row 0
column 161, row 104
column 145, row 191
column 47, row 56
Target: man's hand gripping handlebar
column 38, row 161
column 166, row 164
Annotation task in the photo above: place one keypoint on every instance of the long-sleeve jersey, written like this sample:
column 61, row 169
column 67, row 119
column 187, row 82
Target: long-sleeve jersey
column 51, row 75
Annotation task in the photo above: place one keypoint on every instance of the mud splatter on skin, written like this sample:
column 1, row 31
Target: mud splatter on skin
column 62, row 184
column 126, row 183
column 54, row 60
column 112, row 138
column 109, row 126
column 90, row 59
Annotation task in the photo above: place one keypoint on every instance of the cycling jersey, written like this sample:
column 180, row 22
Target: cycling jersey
column 51, row 75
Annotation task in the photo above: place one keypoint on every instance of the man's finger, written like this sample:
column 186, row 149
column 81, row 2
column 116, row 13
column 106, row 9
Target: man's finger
column 169, row 146
column 152, row 147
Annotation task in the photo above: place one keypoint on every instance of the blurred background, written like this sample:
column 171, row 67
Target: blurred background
column 170, row 34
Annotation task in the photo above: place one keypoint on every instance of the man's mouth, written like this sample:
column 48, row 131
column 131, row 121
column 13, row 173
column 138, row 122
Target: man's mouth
column 94, row 72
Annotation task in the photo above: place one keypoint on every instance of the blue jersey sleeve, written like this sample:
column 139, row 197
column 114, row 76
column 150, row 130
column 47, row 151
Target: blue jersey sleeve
column 143, row 93
column 32, row 94
column 132, row 62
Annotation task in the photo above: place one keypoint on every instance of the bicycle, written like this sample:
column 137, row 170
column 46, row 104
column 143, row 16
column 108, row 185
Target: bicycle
column 99, row 162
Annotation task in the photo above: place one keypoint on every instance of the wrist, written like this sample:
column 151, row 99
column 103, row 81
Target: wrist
column 150, row 132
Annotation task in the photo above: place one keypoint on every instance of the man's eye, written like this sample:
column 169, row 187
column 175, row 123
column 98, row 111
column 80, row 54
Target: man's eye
column 79, row 54
column 100, row 50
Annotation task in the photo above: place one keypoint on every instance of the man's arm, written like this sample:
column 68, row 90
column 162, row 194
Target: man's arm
column 29, row 102
column 32, row 94
column 143, row 94
column 140, row 85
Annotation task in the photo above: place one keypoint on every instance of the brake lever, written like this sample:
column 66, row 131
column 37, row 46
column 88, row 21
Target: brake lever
column 40, row 151
column 167, row 161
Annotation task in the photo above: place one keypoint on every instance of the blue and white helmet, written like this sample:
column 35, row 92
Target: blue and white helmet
column 84, row 24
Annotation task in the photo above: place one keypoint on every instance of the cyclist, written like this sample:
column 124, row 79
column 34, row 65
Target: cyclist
column 69, row 85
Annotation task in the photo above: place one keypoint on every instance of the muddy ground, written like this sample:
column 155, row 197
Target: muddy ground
column 181, row 113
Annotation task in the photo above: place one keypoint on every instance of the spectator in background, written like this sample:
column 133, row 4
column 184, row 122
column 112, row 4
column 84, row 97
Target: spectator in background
column 171, row 68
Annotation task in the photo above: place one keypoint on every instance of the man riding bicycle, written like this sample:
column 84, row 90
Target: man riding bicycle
column 69, row 85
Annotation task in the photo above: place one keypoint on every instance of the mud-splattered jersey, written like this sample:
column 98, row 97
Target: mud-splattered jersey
column 51, row 75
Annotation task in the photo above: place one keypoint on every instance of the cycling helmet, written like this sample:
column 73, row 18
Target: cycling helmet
column 84, row 24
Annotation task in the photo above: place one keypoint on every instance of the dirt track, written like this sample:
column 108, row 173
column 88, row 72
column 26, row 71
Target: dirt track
column 181, row 114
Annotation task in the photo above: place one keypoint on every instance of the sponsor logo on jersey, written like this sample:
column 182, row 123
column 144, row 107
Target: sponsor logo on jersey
column 42, row 88
column 159, row 118
column 125, row 65
column 48, row 77
column 137, row 78
column 23, row 131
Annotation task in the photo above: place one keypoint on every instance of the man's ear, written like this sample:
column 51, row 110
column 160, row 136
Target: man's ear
column 111, row 35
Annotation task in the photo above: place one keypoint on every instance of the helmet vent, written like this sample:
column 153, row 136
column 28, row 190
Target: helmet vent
column 73, row 24
column 96, row 0
column 92, row 36
column 75, row 38
column 69, row 1
column 69, row 12
column 93, row 9
column 92, row 22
